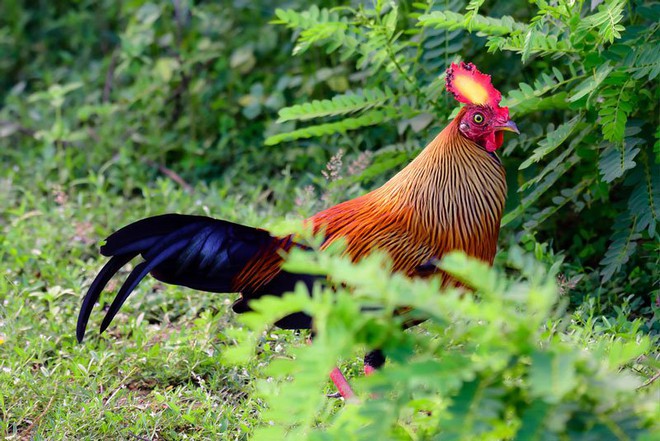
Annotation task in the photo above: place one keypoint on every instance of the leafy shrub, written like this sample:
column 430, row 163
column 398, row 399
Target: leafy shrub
column 493, row 364
column 586, row 100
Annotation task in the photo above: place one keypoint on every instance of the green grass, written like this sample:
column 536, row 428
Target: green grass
column 157, row 372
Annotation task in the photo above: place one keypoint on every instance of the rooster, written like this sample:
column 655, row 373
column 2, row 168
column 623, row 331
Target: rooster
column 450, row 197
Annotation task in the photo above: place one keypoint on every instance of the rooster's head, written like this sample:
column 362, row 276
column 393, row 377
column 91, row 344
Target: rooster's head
column 482, row 120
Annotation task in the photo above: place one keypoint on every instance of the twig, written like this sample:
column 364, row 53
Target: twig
column 112, row 395
column 122, row 385
column 650, row 381
column 182, row 16
column 26, row 433
column 26, row 131
column 19, row 128
column 109, row 77
column 170, row 174
column 138, row 437
column 177, row 95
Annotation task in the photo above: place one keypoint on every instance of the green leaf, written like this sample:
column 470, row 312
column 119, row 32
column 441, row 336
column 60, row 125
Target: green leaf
column 616, row 103
column 474, row 273
column 643, row 61
column 473, row 9
column 589, row 85
column 557, row 161
column 528, row 43
column 552, row 140
column 622, row 352
column 552, row 376
column 528, row 98
column 472, row 410
column 316, row 25
column 533, row 421
column 566, row 196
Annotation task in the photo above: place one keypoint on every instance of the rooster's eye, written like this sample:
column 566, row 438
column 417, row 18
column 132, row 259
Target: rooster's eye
column 478, row 118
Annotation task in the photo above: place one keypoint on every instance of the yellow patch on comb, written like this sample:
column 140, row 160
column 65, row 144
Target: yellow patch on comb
column 471, row 89
column 470, row 86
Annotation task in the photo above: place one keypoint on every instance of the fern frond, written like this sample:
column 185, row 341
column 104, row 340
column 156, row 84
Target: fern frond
column 622, row 245
column 645, row 197
column 317, row 25
column 373, row 52
column 439, row 44
column 319, row 32
column 437, row 47
column 369, row 118
column 473, row 10
column 551, row 166
column 617, row 158
column 553, row 139
column 306, row 19
column 558, row 160
column 644, row 61
column 339, row 105
column 606, row 21
column 617, row 101
column 531, row 42
column 526, row 97
column 487, row 25
column 549, row 180
column 566, row 196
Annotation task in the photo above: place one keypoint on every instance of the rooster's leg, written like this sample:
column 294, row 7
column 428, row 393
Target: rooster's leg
column 341, row 384
column 373, row 360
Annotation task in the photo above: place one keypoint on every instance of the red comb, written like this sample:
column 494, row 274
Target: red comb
column 470, row 86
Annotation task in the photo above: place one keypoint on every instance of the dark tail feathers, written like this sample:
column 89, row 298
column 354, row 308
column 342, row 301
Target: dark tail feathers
column 194, row 251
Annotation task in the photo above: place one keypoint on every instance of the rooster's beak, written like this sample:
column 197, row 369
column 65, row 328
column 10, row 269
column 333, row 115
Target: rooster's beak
column 510, row 126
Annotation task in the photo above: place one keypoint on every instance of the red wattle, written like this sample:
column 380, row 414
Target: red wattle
column 493, row 141
column 499, row 139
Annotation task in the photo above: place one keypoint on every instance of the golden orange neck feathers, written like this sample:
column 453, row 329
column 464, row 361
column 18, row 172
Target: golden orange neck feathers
column 450, row 197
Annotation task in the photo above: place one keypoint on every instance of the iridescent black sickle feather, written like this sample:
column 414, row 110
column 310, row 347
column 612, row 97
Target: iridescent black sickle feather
column 194, row 251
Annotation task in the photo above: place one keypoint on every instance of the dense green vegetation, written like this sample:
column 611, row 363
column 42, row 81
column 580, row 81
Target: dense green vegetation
column 112, row 111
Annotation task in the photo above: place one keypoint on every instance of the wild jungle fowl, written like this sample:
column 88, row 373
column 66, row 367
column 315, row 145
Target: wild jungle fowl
column 450, row 197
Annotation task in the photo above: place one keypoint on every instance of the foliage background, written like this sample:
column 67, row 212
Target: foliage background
column 263, row 113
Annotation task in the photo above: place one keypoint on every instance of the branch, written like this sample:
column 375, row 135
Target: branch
column 170, row 174
column 26, row 433
column 650, row 381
